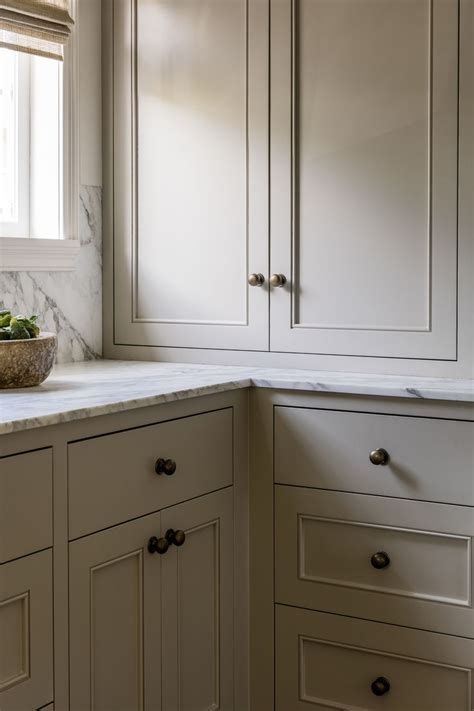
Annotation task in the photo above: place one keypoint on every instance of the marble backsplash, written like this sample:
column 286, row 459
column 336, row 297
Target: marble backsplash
column 67, row 303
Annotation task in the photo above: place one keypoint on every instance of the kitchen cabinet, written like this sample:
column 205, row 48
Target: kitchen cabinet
column 190, row 128
column 347, row 200
column 26, row 632
column 159, row 625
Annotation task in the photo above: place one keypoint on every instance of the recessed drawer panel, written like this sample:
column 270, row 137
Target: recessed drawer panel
column 405, row 562
column 427, row 459
column 327, row 661
column 113, row 478
column 26, row 632
column 26, row 496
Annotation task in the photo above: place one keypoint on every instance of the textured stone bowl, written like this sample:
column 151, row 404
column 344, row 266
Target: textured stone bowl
column 27, row 363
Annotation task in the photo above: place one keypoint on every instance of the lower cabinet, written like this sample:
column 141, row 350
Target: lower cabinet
column 329, row 661
column 151, row 611
column 26, row 633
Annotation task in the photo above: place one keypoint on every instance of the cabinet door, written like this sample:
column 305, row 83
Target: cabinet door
column 26, row 632
column 190, row 164
column 114, row 624
column 197, row 601
column 364, row 177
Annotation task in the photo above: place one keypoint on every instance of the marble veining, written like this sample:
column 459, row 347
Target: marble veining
column 76, row 391
column 67, row 303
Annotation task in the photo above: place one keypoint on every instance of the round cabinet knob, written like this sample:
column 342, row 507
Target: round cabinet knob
column 165, row 466
column 176, row 538
column 379, row 456
column 380, row 686
column 278, row 280
column 158, row 545
column 380, row 560
column 256, row 279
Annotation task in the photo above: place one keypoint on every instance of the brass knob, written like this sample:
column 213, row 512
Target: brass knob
column 158, row 545
column 380, row 560
column 380, row 686
column 256, row 279
column 277, row 280
column 165, row 466
column 176, row 538
column 379, row 456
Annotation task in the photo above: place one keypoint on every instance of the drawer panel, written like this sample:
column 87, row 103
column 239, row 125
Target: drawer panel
column 26, row 498
column 429, row 459
column 26, row 632
column 327, row 661
column 405, row 562
column 112, row 478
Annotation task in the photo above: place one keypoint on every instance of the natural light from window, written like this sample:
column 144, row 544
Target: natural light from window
column 31, row 146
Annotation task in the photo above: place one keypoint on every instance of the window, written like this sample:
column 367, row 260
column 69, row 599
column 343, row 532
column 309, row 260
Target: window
column 38, row 162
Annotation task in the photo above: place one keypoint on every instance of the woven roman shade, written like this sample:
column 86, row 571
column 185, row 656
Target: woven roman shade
column 39, row 27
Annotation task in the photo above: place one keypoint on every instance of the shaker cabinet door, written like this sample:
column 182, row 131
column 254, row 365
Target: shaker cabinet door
column 190, row 164
column 363, row 198
column 198, row 605
column 115, row 636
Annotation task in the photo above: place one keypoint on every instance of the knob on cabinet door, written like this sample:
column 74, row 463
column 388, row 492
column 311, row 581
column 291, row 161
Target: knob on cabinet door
column 380, row 560
column 176, row 538
column 256, row 279
column 165, row 466
column 380, row 686
column 158, row 545
column 379, row 456
column 277, row 280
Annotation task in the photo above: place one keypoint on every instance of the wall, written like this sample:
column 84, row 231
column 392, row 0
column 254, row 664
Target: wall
column 70, row 303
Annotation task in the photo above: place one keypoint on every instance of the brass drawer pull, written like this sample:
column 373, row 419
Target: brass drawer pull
column 380, row 560
column 379, row 456
column 277, row 280
column 256, row 279
column 165, row 466
column 380, row 686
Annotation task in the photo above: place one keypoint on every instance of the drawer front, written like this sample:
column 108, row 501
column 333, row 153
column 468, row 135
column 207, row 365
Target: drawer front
column 26, row 496
column 429, row 459
column 26, row 632
column 405, row 562
column 112, row 478
column 327, row 661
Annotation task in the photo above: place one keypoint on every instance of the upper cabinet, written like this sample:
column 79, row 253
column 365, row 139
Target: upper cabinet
column 190, row 133
column 322, row 145
column 364, row 177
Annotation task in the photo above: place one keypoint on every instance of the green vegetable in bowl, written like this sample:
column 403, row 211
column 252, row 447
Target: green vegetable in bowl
column 17, row 327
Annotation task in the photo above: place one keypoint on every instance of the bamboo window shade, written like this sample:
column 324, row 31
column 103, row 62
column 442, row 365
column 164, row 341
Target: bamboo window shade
column 40, row 27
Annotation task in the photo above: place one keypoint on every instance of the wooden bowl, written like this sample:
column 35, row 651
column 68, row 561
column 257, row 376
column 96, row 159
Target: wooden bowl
column 26, row 363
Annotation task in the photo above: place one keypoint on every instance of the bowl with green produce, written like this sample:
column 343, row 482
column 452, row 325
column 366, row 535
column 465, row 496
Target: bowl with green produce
column 26, row 353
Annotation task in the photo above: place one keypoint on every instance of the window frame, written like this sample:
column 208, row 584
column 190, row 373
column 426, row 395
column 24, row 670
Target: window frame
column 37, row 254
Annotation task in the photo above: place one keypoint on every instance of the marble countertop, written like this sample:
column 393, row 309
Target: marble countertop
column 79, row 390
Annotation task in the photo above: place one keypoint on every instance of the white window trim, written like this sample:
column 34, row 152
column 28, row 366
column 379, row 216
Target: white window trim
column 25, row 254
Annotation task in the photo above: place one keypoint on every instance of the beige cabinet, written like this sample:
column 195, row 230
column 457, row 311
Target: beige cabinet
column 364, row 149
column 190, row 195
column 327, row 661
column 154, row 631
column 26, row 632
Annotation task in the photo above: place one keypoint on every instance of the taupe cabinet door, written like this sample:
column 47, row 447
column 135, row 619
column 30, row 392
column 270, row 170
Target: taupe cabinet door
column 115, row 619
column 364, row 104
column 151, row 631
column 190, row 133
column 197, row 601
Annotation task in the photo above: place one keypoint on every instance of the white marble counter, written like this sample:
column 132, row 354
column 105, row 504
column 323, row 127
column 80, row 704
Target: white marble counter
column 79, row 390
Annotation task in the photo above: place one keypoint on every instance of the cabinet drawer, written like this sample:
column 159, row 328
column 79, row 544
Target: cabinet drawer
column 26, row 632
column 405, row 562
column 429, row 459
column 26, row 495
column 112, row 478
column 328, row 661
